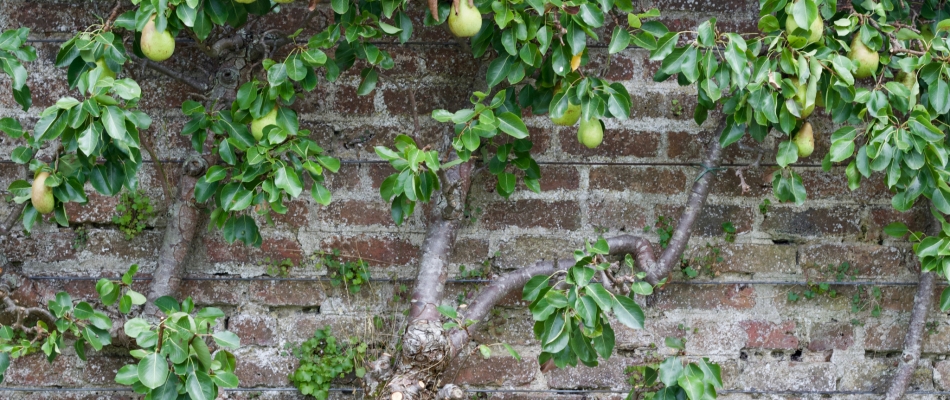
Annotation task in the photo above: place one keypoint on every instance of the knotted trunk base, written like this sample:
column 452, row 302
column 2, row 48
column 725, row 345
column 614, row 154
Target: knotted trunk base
column 426, row 351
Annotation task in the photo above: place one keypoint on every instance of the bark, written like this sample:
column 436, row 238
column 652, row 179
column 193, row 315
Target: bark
column 912, row 341
column 179, row 236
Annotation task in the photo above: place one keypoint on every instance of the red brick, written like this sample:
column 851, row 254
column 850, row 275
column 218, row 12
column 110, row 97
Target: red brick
column 657, row 180
column 263, row 368
column 799, row 221
column 254, row 329
column 831, row 336
column 33, row 370
column 207, row 292
column 429, row 97
column 533, row 213
column 348, row 177
column 287, row 293
column 617, row 215
column 469, row 251
column 378, row 251
column 101, row 370
column 348, row 103
column 705, row 297
column 618, row 142
column 917, row 219
column 500, row 369
column 40, row 247
column 219, row 251
column 759, row 180
column 865, row 260
column 712, row 218
column 606, row 375
column 99, row 210
column 770, row 335
column 358, row 212
column 298, row 213
column 554, row 177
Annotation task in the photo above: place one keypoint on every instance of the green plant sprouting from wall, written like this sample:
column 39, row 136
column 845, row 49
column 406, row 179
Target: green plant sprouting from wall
column 352, row 275
column 133, row 212
column 324, row 358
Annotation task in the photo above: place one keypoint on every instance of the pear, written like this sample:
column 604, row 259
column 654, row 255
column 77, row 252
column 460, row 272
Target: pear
column 244, row 1
column 105, row 69
column 42, row 195
column 466, row 22
column 805, row 140
column 570, row 117
column 801, row 96
column 908, row 80
column 814, row 31
column 258, row 125
column 866, row 59
column 157, row 46
column 591, row 133
column 283, row 1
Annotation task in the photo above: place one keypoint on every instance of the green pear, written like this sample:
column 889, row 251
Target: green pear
column 866, row 59
column 105, row 69
column 801, row 97
column 908, row 80
column 258, row 125
column 42, row 196
column 157, row 46
column 805, row 140
column 244, row 1
column 591, row 133
column 466, row 22
column 283, row 1
column 570, row 117
column 814, row 31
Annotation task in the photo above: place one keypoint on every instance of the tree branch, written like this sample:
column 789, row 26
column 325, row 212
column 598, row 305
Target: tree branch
column 489, row 296
column 694, row 206
column 430, row 284
column 178, row 76
column 905, row 371
column 179, row 235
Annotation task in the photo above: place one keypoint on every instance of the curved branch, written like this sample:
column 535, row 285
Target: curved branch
column 694, row 207
column 479, row 308
column 179, row 234
column 905, row 371
column 430, row 285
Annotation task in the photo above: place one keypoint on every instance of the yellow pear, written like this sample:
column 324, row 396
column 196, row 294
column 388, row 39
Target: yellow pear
column 801, row 97
column 805, row 140
column 814, row 31
column 466, row 22
column 258, row 125
column 42, row 195
column 157, row 46
column 866, row 59
column 105, row 69
column 570, row 117
column 591, row 133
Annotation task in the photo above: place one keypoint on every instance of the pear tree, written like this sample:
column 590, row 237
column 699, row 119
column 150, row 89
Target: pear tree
column 879, row 69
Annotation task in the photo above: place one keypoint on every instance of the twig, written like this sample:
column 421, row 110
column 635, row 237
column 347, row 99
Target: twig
column 12, row 218
column 166, row 186
column 112, row 16
column 178, row 76
column 908, row 363
column 415, row 113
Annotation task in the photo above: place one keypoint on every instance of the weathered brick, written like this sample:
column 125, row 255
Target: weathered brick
column 831, row 336
column 705, row 297
column 609, row 374
column 275, row 248
column 212, row 292
column 712, row 218
column 257, row 330
column 358, row 212
column 287, row 293
column 469, row 251
column 865, row 260
column 618, row 142
column 617, row 215
column 473, row 369
column 657, row 180
column 297, row 215
column 101, row 370
column 527, row 250
column 394, row 251
column 752, row 258
column 348, row 103
column 731, row 6
column 263, row 367
column 787, row 376
column 555, row 177
column 770, row 335
column 812, row 221
column 533, row 214
column 34, row 370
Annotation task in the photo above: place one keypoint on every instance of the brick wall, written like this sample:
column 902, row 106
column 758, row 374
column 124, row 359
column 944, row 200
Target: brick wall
column 741, row 319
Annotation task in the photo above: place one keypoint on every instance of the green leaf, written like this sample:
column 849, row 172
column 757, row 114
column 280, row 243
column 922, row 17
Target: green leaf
column 945, row 300
column 370, row 76
column 242, row 228
column 135, row 327
column 153, row 370
column 534, row 287
column 199, row 386
column 11, row 127
column 321, row 194
column 896, row 229
column 628, row 312
column 448, row 311
column 113, row 119
column 787, row 153
column 511, row 124
column 225, row 379
column 485, row 350
column 506, row 184
column 619, row 40
column 227, row 339
column 731, row 134
column 286, row 178
column 511, row 351
column 692, row 381
column 670, row 371
column 127, row 375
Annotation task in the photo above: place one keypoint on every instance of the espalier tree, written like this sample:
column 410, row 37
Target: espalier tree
column 878, row 68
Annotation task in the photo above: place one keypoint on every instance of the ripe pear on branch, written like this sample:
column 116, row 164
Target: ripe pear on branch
column 867, row 60
column 801, row 97
column 805, row 140
column 258, row 125
column 815, row 30
column 591, row 133
column 157, row 46
column 464, row 18
column 41, row 195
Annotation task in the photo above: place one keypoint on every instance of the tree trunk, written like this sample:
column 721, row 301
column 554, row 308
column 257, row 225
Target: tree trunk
column 915, row 333
column 179, row 236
